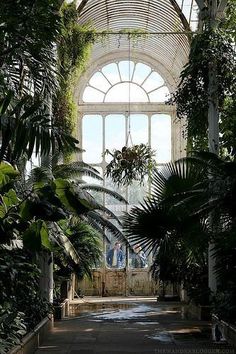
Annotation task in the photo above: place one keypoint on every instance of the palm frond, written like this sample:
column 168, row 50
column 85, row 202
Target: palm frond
column 97, row 188
column 75, row 169
column 58, row 235
column 107, row 225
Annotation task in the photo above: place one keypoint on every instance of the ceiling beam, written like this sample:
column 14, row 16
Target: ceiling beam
column 81, row 6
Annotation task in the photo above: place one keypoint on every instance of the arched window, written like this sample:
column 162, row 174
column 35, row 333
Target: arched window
column 119, row 97
column 126, row 81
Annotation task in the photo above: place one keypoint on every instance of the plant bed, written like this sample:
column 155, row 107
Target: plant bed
column 33, row 339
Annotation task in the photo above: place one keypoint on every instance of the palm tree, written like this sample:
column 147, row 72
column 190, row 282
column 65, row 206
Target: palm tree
column 28, row 79
column 177, row 219
column 29, row 30
column 76, row 194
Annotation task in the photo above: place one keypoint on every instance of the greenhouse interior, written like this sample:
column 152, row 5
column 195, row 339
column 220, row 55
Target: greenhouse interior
column 117, row 176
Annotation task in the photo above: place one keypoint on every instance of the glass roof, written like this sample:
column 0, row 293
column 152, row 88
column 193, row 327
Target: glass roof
column 168, row 23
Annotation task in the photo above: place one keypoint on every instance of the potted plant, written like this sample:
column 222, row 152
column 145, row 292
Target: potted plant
column 130, row 163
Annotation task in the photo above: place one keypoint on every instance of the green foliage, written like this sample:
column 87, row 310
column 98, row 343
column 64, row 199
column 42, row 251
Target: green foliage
column 191, row 98
column 36, row 236
column 21, row 286
column 27, row 129
column 223, row 304
column 73, row 47
column 87, row 242
column 130, row 163
column 228, row 127
column 179, row 221
column 7, row 176
column 29, row 30
column 12, row 327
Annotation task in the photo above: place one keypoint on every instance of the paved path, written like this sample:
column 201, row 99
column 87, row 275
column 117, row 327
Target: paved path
column 130, row 326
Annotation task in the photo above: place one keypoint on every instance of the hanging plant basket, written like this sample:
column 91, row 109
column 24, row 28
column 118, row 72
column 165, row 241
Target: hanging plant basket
column 130, row 164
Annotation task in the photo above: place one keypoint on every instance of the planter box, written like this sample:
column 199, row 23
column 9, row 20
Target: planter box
column 228, row 330
column 33, row 339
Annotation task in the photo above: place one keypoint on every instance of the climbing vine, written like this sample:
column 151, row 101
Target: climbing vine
column 73, row 47
column 191, row 97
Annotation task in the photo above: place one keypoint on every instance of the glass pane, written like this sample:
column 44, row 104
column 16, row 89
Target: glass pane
column 126, row 70
column 186, row 9
column 92, row 138
column 159, row 95
column 113, row 204
column 92, row 95
column 161, row 137
column 111, row 72
column 114, row 133
column 137, row 192
column 99, row 81
column 139, row 128
column 152, row 82
column 141, row 72
column 125, row 92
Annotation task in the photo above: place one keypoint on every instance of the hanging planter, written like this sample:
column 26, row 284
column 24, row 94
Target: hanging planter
column 130, row 164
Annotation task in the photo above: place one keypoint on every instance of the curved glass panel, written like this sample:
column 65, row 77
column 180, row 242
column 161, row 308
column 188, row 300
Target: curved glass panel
column 125, row 81
column 126, row 92
column 141, row 72
column 112, row 73
column 126, row 68
column 159, row 95
column 92, row 95
column 153, row 81
column 98, row 80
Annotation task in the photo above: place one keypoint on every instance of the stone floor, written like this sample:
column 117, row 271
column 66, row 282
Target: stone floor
column 130, row 325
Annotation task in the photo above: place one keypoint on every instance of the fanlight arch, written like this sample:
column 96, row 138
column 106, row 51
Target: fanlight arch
column 126, row 81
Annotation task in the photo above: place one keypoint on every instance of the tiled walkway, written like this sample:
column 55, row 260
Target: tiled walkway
column 126, row 326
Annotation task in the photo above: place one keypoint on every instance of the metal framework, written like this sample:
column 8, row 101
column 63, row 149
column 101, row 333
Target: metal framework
column 168, row 23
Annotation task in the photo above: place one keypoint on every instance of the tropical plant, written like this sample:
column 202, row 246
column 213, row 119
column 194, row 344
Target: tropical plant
column 130, row 163
column 21, row 286
column 12, row 327
column 73, row 49
column 76, row 195
column 178, row 218
column 27, row 129
column 28, row 35
column 212, row 48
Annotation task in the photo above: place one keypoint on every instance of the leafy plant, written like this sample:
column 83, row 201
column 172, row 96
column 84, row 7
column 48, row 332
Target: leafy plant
column 73, row 49
column 130, row 163
column 27, row 46
column 21, row 286
column 174, row 221
column 12, row 327
column 191, row 97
